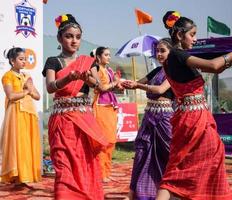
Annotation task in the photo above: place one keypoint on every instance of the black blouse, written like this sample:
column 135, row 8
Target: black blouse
column 56, row 63
column 168, row 94
column 177, row 68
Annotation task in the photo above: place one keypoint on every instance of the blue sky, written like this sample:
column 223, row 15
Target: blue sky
column 112, row 22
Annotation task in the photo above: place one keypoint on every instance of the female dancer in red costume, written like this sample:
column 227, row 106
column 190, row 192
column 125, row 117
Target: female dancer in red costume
column 74, row 141
column 196, row 169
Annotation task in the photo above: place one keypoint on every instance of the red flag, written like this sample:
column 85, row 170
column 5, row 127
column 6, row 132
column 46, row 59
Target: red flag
column 45, row 1
column 142, row 17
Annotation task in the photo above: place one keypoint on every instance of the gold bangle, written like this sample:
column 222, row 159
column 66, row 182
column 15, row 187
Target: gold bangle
column 227, row 62
column 147, row 87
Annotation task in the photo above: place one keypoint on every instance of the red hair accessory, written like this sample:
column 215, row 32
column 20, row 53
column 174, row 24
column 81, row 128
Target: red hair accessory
column 60, row 19
column 172, row 18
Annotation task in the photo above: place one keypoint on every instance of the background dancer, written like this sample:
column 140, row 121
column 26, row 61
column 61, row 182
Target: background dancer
column 20, row 141
column 154, row 135
column 105, row 107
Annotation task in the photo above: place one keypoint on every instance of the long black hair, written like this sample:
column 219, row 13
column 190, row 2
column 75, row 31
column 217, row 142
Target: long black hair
column 99, row 52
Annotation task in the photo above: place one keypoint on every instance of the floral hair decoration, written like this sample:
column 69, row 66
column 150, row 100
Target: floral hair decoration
column 60, row 19
column 172, row 18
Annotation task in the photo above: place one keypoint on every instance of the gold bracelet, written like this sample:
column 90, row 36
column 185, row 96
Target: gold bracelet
column 227, row 62
column 147, row 87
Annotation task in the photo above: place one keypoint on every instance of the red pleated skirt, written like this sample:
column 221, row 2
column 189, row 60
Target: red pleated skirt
column 78, row 175
column 196, row 167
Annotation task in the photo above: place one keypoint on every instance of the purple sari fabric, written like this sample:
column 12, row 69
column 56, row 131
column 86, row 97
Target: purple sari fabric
column 151, row 149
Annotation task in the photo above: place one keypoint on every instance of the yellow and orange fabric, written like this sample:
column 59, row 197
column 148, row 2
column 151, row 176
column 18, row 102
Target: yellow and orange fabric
column 20, row 141
column 106, row 116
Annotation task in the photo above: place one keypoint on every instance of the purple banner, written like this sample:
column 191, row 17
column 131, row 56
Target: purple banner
column 212, row 46
column 224, row 125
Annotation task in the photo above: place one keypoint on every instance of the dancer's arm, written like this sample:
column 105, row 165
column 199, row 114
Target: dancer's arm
column 156, row 89
column 102, row 87
column 53, row 85
column 215, row 65
column 14, row 96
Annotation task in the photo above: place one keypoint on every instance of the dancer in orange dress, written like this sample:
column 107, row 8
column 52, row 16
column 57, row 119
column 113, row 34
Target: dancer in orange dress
column 196, row 166
column 74, row 141
column 105, row 107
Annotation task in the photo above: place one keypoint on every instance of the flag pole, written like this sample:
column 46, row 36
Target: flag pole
column 145, row 59
column 140, row 34
column 133, row 68
column 134, row 75
column 140, row 31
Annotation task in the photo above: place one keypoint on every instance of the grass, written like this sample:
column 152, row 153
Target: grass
column 123, row 152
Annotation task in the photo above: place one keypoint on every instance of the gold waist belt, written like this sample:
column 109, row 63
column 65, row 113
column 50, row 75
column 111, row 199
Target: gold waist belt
column 192, row 103
column 157, row 106
column 61, row 105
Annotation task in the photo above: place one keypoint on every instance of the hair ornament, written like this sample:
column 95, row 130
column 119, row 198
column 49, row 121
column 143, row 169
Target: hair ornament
column 172, row 18
column 60, row 19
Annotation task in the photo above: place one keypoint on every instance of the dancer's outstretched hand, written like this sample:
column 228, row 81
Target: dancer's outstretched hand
column 120, row 86
column 128, row 84
column 84, row 76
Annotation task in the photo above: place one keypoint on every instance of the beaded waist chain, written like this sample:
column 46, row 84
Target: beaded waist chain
column 61, row 105
column 157, row 106
column 192, row 103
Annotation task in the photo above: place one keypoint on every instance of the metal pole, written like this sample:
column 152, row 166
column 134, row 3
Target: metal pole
column 145, row 59
column 134, row 76
column 133, row 68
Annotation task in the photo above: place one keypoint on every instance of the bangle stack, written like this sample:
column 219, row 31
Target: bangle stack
column 227, row 62
column 54, row 85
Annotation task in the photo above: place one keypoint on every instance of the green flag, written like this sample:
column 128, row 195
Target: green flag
column 217, row 27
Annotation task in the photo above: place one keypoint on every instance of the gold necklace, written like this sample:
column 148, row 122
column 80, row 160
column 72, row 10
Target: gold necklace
column 63, row 55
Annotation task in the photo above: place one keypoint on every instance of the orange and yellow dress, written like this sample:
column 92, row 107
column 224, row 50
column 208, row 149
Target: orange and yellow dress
column 105, row 111
column 20, row 137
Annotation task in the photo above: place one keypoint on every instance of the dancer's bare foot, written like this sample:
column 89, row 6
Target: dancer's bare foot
column 21, row 186
column 163, row 195
column 131, row 195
